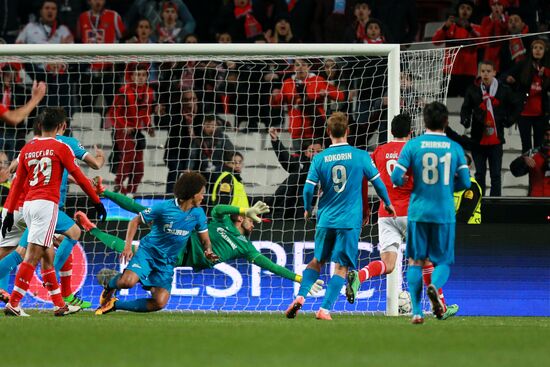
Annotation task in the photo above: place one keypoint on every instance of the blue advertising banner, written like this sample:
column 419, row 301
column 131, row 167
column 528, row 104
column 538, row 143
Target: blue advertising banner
column 497, row 273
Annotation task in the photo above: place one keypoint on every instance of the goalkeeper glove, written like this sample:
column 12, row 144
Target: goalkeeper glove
column 8, row 224
column 259, row 208
column 316, row 287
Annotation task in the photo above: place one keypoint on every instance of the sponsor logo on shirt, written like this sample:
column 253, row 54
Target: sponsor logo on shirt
column 225, row 236
column 177, row 232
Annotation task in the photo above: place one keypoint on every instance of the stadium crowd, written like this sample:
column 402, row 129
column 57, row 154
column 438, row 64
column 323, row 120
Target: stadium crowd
column 187, row 98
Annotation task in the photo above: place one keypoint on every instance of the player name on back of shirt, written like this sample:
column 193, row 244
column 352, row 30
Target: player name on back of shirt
column 40, row 154
column 338, row 157
column 436, row 144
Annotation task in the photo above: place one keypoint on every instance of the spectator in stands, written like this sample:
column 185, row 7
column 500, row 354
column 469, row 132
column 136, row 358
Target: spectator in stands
column 536, row 163
column 10, row 19
column 224, row 37
column 515, row 49
column 373, row 29
column 229, row 188
column 288, row 196
column 98, row 25
column 494, row 25
column 356, row 32
column 203, row 11
column 142, row 32
column 13, row 109
column 182, row 113
column 48, row 30
column 132, row 114
column 489, row 107
column 269, row 13
column 170, row 29
column 241, row 19
column 209, row 145
column 399, row 18
column 331, row 20
column 335, row 73
column 282, row 32
column 463, row 73
column 152, row 11
column 191, row 38
column 305, row 94
column 531, row 79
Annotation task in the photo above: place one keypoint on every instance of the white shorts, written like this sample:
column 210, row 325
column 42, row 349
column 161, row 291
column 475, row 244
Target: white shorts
column 391, row 233
column 12, row 237
column 41, row 219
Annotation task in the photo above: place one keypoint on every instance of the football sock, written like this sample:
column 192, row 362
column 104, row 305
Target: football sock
column 427, row 271
column 125, row 202
column 50, row 282
column 65, row 275
column 112, row 282
column 371, row 270
column 10, row 262
column 440, row 275
column 334, row 287
column 112, row 242
column 22, row 283
column 414, row 278
column 63, row 252
column 4, row 282
column 137, row 305
column 308, row 278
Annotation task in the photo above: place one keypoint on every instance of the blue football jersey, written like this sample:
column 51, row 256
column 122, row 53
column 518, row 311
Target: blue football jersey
column 434, row 160
column 171, row 227
column 79, row 153
column 339, row 170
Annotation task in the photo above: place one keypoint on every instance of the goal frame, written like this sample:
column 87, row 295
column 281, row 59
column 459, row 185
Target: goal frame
column 392, row 51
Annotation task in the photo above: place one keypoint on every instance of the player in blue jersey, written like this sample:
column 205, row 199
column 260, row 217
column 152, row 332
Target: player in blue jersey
column 339, row 170
column 439, row 168
column 172, row 223
column 65, row 225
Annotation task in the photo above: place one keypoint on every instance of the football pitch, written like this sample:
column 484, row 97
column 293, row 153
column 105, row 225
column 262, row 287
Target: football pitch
column 268, row 339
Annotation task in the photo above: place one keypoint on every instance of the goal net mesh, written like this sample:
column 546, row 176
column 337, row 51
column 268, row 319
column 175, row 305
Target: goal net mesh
column 156, row 117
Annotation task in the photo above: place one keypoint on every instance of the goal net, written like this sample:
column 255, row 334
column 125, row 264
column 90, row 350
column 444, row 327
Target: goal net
column 160, row 110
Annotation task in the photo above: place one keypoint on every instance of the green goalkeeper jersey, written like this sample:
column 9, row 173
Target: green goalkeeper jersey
column 229, row 244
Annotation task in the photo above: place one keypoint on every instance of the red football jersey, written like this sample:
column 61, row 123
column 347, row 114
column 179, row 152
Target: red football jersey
column 3, row 109
column 107, row 28
column 41, row 165
column 385, row 157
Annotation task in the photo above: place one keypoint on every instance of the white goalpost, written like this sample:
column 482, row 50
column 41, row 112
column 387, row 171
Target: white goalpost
column 242, row 88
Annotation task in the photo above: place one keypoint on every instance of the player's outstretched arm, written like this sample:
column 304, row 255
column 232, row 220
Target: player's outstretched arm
column 266, row 264
column 253, row 213
column 133, row 225
column 97, row 161
column 14, row 117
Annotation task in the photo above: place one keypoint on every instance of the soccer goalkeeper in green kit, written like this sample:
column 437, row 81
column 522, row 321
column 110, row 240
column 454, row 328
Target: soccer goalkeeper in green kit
column 229, row 232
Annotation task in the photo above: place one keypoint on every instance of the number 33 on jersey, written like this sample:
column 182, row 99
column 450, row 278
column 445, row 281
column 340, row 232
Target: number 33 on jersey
column 434, row 160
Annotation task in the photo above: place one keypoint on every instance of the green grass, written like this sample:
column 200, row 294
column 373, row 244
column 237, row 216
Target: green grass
column 237, row 339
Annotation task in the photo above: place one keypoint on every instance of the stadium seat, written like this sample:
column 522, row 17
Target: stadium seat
column 429, row 30
column 508, row 180
column 86, row 121
column 454, row 105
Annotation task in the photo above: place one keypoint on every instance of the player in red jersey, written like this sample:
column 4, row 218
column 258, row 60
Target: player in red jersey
column 42, row 161
column 392, row 230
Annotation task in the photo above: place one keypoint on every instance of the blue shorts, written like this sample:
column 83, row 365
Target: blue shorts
column 64, row 222
column 435, row 241
column 337, row 245
column 151, row 273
